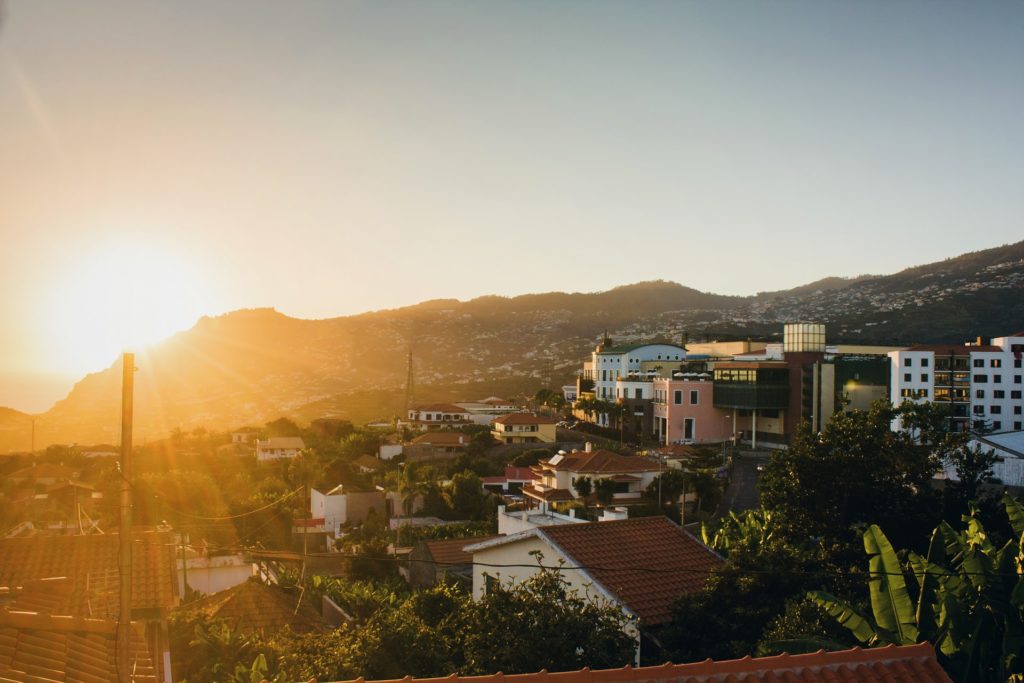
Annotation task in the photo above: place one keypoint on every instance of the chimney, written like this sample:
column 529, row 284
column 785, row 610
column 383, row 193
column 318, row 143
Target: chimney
column 588, row 447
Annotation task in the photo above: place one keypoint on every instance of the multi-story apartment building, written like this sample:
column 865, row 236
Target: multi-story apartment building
column 981, row 382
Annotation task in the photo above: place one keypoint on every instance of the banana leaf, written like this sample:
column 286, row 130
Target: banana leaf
column 890, row 602
column 848, row 617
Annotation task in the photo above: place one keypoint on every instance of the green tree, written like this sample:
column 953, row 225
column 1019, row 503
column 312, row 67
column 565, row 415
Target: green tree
column 857, row 471
column 974, row 468
column 584, row 486
column 604, row 489
column 969, row 598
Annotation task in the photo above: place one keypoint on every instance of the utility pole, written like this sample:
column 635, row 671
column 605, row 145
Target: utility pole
column 124, row 562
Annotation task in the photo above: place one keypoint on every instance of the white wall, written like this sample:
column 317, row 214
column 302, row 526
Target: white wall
column 214, row 574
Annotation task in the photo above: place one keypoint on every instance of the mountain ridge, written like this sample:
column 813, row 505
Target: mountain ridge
column 256, row 364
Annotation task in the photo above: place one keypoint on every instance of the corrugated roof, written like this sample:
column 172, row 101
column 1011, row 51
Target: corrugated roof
column 253, row 607
column 890, row 664
column 90, row 562
column 620, row 555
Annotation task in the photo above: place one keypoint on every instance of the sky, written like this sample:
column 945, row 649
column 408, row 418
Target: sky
column 160, row 161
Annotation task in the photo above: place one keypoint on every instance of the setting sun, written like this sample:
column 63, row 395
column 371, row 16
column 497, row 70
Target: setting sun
column 120, row 296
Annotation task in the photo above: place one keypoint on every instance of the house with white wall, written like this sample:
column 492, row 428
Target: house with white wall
column 278, row 447
column 642, row 565
column 560, row 474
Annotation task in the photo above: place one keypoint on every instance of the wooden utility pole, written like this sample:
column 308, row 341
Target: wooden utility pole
column 124, row 559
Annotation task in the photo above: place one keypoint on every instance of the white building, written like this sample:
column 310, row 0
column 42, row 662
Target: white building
column 609, row 364
column 279, row 447
column 982, row 383
column 1009, row 450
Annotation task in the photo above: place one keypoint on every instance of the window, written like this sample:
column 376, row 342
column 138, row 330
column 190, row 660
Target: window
column 996, row 363
column 997, row 425
column 1015, row 393
column 924, row 362
column 638, row 393
column 1016, row 410
column 688, row 424
column 694, row 397
column 1016, row 379
column 979, row 393
column 908, row 362
column 604, row 375
column 677, row 397
column 906, row 376
column 1016, row 362
column 979, row 410
column 998, row 393
column 924, row 376
column 998, row 379
column 1016, row 426
column 980, row 379
column 979, row 362
column 996, row 410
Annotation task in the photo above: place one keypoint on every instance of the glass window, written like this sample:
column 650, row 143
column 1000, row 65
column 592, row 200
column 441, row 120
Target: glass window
column 924, row 376
column 694, row 397
column 996, row 363
column 996, row 410
column 998, row 393
column 979, row 393
column 997, row 425
column 908, row 362
column 981, row 379
column 677, row 398
column 998, row 379
column 906, row 376
column 979, row 410
column 979, row 362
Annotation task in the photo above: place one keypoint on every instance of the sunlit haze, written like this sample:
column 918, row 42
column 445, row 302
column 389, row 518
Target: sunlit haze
column 162, row 161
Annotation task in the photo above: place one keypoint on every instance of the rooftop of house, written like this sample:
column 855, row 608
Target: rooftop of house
column 626, row 348
column 450, row 551
column 441, row 408
column 368, row 461
column 43, row 647
column 889, row 664
column 45, row 470
column 600, row 462
column 646, row 562
column 952, row 349
column 524, row 419
column 254, row 607
column 283, row 443
column 90, row 562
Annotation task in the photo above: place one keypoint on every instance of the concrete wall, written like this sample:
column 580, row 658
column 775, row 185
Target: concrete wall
column 214, row 574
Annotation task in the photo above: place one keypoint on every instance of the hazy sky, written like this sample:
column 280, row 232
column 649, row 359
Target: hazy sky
column 328, row 158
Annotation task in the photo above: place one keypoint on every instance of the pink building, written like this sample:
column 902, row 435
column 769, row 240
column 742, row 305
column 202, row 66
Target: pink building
column 684, row 411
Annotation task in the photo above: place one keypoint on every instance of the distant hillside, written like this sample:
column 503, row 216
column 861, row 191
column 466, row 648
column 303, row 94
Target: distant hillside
column 255, row 365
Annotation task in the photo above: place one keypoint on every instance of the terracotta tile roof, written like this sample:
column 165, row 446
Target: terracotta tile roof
column 90, row 562
column 41, row 647
column 443, row 439
column 890, row 664
column 368, row 461
column 550, row 495
column 677, row 450
column 621, row 554
column 449, row 552
column 253, row 607
column 603, row 462
column 520, row 474
column 524, row 419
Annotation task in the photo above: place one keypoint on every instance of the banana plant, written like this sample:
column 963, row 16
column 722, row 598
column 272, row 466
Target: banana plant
column 969, row 599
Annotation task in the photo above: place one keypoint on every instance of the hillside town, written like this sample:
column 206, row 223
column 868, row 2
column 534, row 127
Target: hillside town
column 639, row 489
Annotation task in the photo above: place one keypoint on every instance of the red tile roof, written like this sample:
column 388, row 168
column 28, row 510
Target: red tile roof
column 449, row 551
column 41, row 647
column 524, row 419
column 645, row 562
column 253, row 607
column 550, row 495
column 890, row 664
column 520, row 474
column 604, row 462
column 90, row 562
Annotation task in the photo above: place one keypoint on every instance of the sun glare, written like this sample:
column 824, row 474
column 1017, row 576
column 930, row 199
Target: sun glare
column 120, row 297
